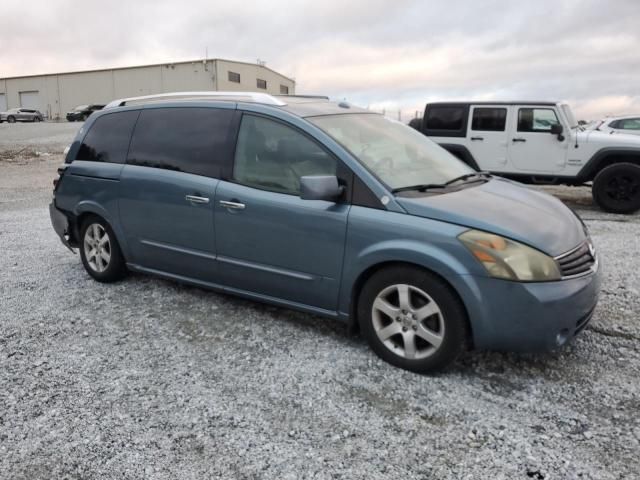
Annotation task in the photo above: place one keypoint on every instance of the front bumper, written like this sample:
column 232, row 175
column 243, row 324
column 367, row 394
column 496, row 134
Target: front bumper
column 529, row 317
column 60, row 224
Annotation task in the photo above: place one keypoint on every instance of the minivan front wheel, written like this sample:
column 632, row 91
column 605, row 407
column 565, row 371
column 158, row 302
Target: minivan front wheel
column 100, row 252
column 412, row 319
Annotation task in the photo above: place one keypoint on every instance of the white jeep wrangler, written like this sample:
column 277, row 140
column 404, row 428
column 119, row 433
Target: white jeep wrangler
column 539, row 143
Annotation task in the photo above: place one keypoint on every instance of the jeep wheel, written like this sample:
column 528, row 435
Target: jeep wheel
column 412, row 319
column 616, row 188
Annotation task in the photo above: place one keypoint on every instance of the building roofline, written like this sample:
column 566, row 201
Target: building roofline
column 129, row 67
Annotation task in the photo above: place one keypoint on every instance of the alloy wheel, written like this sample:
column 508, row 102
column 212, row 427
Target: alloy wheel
column 408, row 321
column 97, row 247
column 623, row 188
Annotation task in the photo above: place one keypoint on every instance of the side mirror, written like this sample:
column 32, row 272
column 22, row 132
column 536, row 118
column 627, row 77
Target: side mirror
column 320, row 187
column 557, row 129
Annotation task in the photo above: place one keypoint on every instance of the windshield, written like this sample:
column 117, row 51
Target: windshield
column 566, row 109
column 397, row 154
column 80, row 107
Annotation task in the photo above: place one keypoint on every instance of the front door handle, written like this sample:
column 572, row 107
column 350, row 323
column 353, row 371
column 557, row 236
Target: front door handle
column 477, row 138
column 519, row 139
column 196, row 199
column 232, row 205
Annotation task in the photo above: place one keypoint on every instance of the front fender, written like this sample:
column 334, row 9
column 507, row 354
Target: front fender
column 599, row 160
column 402, row 238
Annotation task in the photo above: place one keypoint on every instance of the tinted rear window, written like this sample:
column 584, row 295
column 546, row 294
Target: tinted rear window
column 190, row 139
column 108, row 138
column 489, row 119
column 445, row 118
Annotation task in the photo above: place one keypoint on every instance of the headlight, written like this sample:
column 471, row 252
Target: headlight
column 504, row 258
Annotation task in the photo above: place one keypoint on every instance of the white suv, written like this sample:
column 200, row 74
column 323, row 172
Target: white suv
column 539, row 143
column 629, row 124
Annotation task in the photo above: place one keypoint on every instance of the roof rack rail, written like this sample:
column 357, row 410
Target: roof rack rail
column 319, row 97
column 256, row 97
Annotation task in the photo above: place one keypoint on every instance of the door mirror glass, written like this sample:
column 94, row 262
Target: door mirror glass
column 556, row 129
column 320, row 187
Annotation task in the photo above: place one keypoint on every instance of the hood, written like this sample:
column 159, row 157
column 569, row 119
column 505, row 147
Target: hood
column 506, row 208
column 609, row 139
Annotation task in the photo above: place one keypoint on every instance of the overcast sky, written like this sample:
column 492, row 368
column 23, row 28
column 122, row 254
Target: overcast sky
column 380, row 53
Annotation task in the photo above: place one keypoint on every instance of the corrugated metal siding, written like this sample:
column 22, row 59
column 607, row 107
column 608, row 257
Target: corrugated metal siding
column 59, row 93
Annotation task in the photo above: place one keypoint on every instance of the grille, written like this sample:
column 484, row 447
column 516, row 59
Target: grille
column 579, row 261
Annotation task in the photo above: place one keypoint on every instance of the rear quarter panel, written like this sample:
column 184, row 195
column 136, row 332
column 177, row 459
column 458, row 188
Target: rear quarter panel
column 92, row 187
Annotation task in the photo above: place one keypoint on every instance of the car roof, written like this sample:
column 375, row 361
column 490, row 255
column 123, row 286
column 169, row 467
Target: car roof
column 299, row 105
column 498, row 102
column 620, row 117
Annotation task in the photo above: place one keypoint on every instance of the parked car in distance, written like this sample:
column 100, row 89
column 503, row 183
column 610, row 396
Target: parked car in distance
column 82, row 112
column 628, row 124
column 329, row 209
column 21, row 115
column 539, row 143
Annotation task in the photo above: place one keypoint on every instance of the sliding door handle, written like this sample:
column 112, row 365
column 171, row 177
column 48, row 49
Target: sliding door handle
column 196, row 199
column 232, row 205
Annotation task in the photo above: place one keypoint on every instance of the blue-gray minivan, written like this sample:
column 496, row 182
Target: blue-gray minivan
column 329, row 209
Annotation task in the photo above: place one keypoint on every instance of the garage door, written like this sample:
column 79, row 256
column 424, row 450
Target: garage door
column 30, row 100
column 3, row 102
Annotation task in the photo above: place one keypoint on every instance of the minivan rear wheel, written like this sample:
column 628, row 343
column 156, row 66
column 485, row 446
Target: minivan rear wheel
column 412, row 319
column 100, row 252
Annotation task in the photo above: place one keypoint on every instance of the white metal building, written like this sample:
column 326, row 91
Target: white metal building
column 55, row 94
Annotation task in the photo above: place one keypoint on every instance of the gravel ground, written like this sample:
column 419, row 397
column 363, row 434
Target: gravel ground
column 151, row 379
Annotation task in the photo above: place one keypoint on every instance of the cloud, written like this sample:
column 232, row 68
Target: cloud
column 399, row 54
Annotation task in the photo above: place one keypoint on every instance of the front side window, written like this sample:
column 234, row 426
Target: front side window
column 272, row 156
column 489, row 119
column 445, row 118
column 397, row 154
column 630, row 124
column 191, row 140
column 536, row 119
column 108, row 138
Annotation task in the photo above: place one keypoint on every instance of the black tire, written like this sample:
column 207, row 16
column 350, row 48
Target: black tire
column 451, row 323
column 616, row 188
column 11, row 119
column 103, row 271
column 36, row 119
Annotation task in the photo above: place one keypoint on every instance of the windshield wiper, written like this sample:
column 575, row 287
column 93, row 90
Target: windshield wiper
column 420, row 188
column 430, row 186
column 466, row 176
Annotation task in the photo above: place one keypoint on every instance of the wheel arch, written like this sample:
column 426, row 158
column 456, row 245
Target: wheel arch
column 461, row 152
column 606, row 157
column 365, row 275
column 89, row 208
